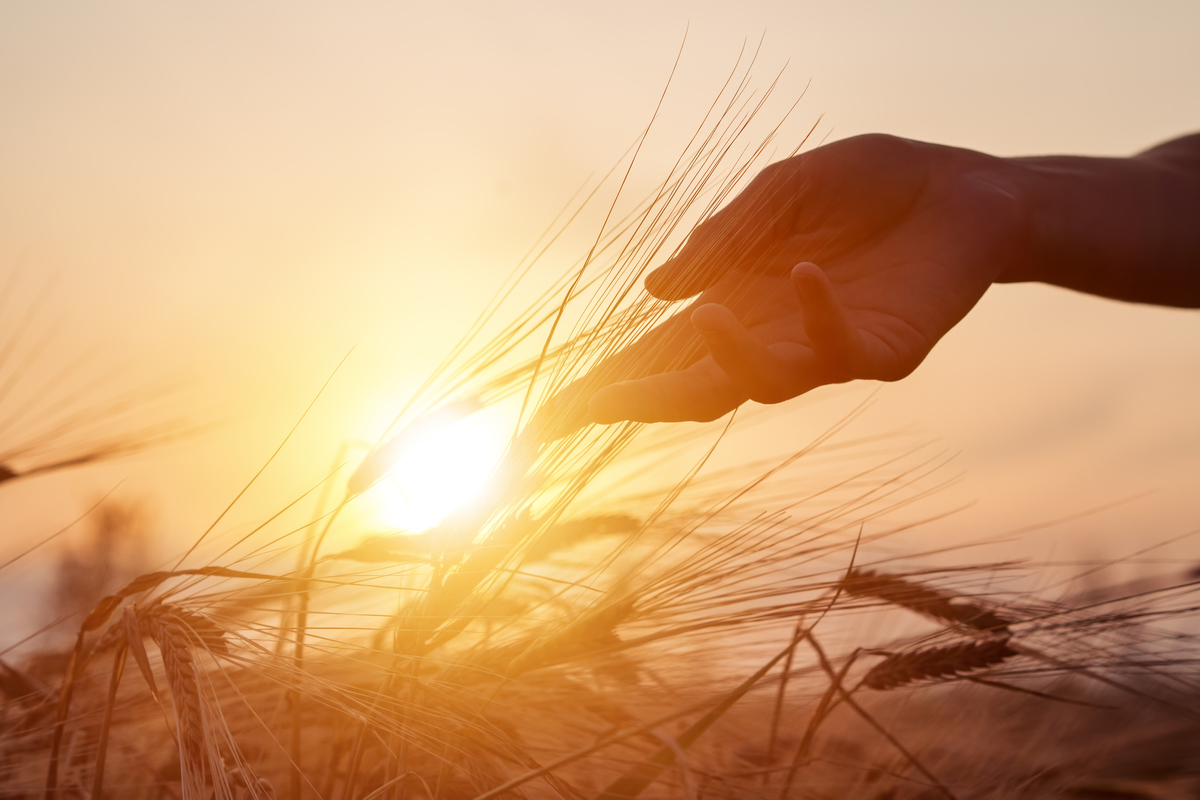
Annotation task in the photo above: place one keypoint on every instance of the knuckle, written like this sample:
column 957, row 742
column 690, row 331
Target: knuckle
column 773, row 173
column 773, row 186
column 866, row 145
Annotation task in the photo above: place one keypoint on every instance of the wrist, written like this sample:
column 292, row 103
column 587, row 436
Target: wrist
column 1036, row 214
column 1116, row 227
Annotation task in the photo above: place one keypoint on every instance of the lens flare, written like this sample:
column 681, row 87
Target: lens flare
column 441, row 468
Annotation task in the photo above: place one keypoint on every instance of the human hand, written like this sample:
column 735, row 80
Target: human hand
column 847, row 262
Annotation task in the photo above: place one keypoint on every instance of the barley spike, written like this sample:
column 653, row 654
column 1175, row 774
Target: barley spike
column 937, row 662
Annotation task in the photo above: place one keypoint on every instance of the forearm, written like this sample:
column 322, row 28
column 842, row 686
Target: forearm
column 1126, row 228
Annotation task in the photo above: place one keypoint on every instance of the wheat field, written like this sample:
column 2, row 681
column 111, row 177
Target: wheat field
column 607, row 619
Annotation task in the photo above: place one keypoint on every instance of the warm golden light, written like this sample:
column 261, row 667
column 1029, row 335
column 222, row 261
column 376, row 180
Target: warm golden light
column 441, row 468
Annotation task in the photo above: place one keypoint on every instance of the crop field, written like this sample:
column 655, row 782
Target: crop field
column 558, row 609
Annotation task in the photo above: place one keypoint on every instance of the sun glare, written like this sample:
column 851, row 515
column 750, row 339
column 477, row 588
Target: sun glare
column 441, row 469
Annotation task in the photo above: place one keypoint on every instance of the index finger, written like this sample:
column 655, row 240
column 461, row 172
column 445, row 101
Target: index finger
column 671, row 345
column 700, row 393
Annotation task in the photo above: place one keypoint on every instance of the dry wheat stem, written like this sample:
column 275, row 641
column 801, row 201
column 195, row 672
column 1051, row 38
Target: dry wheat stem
column 870, row 720
column 106, row 725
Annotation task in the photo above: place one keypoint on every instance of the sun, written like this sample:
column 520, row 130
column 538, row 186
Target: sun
column 442, row 467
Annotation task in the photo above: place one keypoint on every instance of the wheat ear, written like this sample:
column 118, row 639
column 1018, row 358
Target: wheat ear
column 923, row 600
column 937, row 662
column 168, row 627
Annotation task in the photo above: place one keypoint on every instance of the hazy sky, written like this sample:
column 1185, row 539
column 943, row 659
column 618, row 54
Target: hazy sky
column 234, row 194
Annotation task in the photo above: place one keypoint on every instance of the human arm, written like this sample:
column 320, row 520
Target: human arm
column 1125, row 228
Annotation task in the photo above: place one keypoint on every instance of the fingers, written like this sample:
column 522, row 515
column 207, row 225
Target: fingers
column 835, row 343
column 758, row 371
column 782, row 370
column 667, row 347
column 700, row 393
column 740, row 367
column 799, row 352
column 562, row 414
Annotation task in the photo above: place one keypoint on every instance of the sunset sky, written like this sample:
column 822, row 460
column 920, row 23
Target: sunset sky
column 231, row 196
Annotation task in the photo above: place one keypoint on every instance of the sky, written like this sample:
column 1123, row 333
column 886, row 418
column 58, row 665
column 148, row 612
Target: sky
column 232, row 196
